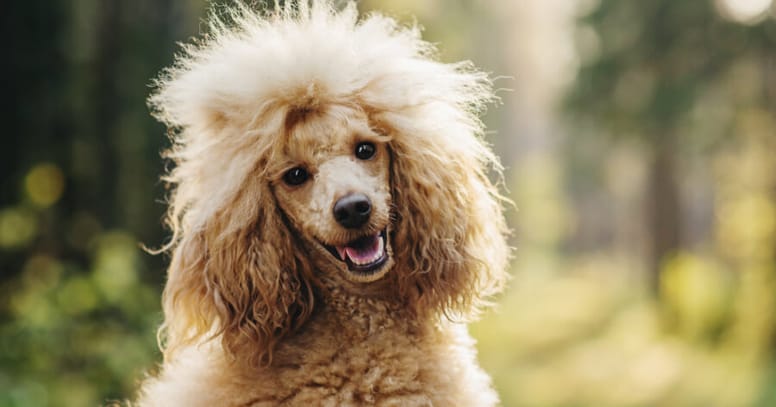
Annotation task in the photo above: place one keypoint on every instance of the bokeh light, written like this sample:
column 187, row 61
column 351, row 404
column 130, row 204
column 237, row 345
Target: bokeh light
column 17, row 227
column 744, row 11
column 44, row 184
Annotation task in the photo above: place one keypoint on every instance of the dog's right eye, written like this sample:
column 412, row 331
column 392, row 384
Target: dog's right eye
column 365, row 151
column 295, row 176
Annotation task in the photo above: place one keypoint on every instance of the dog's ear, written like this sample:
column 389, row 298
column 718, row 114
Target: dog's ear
column 449, row 241
column 247, row 284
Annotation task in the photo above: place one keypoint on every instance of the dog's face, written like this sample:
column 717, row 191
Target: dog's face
column 333, row 184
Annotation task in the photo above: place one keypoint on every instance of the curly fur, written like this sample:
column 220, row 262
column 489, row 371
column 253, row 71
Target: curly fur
column 254, row 315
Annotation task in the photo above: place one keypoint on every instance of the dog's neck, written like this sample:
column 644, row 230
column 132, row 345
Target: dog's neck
column 365, row 315
column 346, row 319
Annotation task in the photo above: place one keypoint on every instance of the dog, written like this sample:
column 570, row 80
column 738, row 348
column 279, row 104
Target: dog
column 333, row 222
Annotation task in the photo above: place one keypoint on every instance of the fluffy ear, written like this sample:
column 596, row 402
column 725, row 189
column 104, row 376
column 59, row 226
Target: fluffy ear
column 450, row 235
column 247, row 285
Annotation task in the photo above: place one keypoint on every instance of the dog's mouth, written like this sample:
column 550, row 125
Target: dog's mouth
column 364, row 257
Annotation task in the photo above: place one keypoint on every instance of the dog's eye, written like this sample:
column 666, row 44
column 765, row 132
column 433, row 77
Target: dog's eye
column 365, row 151
column 295, row 176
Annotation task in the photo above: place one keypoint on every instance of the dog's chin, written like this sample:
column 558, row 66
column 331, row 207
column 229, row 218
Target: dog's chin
column 363, row 260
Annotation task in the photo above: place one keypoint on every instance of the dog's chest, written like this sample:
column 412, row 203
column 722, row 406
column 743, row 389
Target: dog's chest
column 384, row 367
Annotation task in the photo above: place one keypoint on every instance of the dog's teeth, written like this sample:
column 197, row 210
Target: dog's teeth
column 342, row 253
column 380, row 249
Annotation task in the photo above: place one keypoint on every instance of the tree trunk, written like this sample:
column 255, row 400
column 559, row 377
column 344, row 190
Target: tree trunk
column 664, row 209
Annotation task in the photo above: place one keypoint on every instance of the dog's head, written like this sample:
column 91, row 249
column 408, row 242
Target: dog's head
column 312, row 150
column 334, row 187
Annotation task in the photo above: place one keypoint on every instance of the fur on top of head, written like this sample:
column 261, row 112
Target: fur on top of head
column 251, row 68
column 228, row 98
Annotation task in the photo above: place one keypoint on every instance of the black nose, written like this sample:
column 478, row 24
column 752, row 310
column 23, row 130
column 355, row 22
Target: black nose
column 352, row 211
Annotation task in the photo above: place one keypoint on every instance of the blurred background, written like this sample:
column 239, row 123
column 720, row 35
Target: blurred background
column 639, row 141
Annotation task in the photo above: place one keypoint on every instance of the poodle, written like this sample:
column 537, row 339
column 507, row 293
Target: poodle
column 333, row 222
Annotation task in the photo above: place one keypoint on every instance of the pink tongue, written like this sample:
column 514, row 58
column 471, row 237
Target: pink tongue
column 362, row 253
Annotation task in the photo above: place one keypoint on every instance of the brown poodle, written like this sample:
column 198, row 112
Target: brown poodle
column 333, row 221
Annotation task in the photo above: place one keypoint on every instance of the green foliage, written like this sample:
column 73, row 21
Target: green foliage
column 673, row 103
column 75, row 336
column 79, row 299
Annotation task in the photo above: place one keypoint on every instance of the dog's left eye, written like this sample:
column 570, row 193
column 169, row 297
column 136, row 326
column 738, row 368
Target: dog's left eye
column 296, row 176
column 365, row 151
